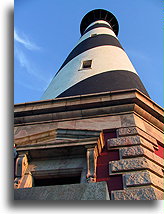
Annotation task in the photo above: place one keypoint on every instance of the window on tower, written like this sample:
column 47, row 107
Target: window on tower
column 86, row 64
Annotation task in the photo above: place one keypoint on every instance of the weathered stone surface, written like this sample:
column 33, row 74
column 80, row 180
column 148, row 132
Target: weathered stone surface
column 106, row 110
column 132, row 151
column 127, row 120
column 36, row 138
column 145, row 143
column 136, row 131
column 140, row 163
column 127, row 131
column 21, row 165
column 137, row 179
column 157, row 121
column 123, row 141
column 129, row 141
column 152, row 156
column 149, row 129
column 27, row 130
column 99, row 123
column 128, row 164
column 84, row 113
column 136, row 151
column 159, row 194
column 147, row 136
column 143, row 178
column 147, row 193
column 88, row 191
column 157, row 181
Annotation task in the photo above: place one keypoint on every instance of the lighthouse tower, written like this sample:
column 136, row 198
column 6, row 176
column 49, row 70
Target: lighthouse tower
column 98, row 63
column 95, row 134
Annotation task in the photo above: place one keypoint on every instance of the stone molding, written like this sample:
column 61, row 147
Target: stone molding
column 92, row 154
column 21, row 165
column 91, row 164
column 84, row 106
column 36, row 138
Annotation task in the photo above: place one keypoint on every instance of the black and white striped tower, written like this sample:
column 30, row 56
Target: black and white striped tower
column 98, row 63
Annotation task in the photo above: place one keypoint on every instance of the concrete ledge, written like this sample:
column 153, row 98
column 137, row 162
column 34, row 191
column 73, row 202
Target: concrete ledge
column 83, row 191
column 147, row 193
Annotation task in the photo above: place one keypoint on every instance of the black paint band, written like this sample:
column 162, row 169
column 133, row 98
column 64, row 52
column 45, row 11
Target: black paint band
column 106, row 81
column 96, row 26
column 89, row 43
column 96, row 15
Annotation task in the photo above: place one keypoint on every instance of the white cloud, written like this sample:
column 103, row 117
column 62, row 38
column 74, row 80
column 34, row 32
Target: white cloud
column 29, row 67
column 25, row 41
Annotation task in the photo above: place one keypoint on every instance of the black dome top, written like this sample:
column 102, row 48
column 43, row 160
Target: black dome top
column 99, row 14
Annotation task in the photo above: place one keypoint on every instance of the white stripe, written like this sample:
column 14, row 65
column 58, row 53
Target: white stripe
column 98, row 22
column 100, row 30
column 105, row 58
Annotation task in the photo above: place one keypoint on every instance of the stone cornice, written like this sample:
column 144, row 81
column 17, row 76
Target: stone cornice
column 84, row 106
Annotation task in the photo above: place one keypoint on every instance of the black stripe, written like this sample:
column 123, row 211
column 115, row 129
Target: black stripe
column 106, row 81
column 96, row 26
column 91, row 42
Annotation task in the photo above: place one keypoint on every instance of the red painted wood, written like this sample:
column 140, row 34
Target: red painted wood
column 159, row 151
column 114, row 155
column 114, row 182
column 102, row 171
column 108, row 156
column 107, row 135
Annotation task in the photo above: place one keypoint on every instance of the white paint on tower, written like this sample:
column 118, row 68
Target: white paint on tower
column 104, row 58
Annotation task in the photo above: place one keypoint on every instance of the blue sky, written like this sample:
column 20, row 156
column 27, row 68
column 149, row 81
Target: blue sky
column 45, row 31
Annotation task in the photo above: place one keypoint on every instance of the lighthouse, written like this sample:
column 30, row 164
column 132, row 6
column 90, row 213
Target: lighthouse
column 98, row 63
column 95, row 134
